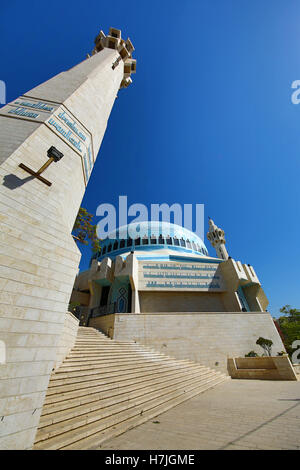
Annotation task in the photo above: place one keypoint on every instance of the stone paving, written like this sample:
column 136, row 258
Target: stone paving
column 239, row 414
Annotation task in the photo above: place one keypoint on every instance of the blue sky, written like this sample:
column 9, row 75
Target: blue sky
column 208, row 118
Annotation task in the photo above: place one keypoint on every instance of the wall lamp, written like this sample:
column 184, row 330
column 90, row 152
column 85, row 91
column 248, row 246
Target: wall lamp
column 54, row 156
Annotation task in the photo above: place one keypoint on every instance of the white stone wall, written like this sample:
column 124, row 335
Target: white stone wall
column 182, row 301
column 207, row 338
column 38, row 257
column 67, row 338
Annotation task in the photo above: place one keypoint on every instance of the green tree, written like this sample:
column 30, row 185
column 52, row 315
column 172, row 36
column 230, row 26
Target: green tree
column 266, row 344
column 289, row 324
column 84, row 231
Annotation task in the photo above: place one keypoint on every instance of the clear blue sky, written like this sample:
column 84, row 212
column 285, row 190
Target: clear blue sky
column 208, row 119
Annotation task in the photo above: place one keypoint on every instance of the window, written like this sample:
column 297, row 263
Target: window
column 182, row 242
column 129, row 242
column 109, row 248
column 104, row 296
column 145, row 241
column 169, row 240
column 122, row 243
column 137, row 241
column 153, row 240
column 104, row 250
column 188, row 244
column 176, row 241
column 116, row 244
column 161, row 240
column 194, row 246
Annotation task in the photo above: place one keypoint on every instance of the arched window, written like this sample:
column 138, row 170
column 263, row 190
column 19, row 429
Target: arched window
column 176, row 241
column 153, row 240
column 161, row 240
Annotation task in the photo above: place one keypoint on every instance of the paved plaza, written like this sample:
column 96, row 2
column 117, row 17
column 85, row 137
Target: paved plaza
column 239, row 414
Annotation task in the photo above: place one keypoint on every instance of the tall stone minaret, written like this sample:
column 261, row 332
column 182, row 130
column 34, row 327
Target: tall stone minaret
column 49, row 140
column 216, row 236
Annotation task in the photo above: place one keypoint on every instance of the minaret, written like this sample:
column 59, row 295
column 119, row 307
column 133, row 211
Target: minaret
column 49, row 140
column 216, row 236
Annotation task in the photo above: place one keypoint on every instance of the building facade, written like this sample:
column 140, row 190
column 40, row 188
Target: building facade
column 163, row 289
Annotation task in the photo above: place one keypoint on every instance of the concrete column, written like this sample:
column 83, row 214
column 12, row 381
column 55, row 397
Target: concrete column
column 95, row 290
column 39, row 259
column 135, row 301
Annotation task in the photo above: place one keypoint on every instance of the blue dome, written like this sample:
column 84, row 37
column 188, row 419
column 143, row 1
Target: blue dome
column 150, row 236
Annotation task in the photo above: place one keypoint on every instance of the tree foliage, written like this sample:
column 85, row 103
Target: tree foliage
column 266, row 344
column 289, row 324
column 84, row 231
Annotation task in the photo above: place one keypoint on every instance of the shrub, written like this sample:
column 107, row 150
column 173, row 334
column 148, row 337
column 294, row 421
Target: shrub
column 251, row 354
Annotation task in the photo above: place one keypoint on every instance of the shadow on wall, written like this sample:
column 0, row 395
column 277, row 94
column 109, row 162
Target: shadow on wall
column 12, row 181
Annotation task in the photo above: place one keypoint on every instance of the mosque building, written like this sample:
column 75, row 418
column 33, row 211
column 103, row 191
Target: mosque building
column 164, row 289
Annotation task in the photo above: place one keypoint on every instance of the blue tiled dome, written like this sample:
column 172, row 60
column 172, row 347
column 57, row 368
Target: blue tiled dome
column 150, row 236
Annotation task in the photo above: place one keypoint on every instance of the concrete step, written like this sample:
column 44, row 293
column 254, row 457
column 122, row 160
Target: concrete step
column 55, row 382
column 93, row 342
column 95, row 440
column 71, row 359
column 101, row 369
column 103, row 357
column 104, row 388
column 107, row 351
column 109, row 347
column 77, row 420
column 82, row 393
column 100, row 338
column 78, row 356
column 61, row 435
column 89, row 364
column 65, row 410
column 64, row 386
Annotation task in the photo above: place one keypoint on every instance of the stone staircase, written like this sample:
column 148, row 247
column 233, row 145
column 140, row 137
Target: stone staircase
column 106, row 387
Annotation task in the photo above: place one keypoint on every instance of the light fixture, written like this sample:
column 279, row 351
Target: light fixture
column 54, row 156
